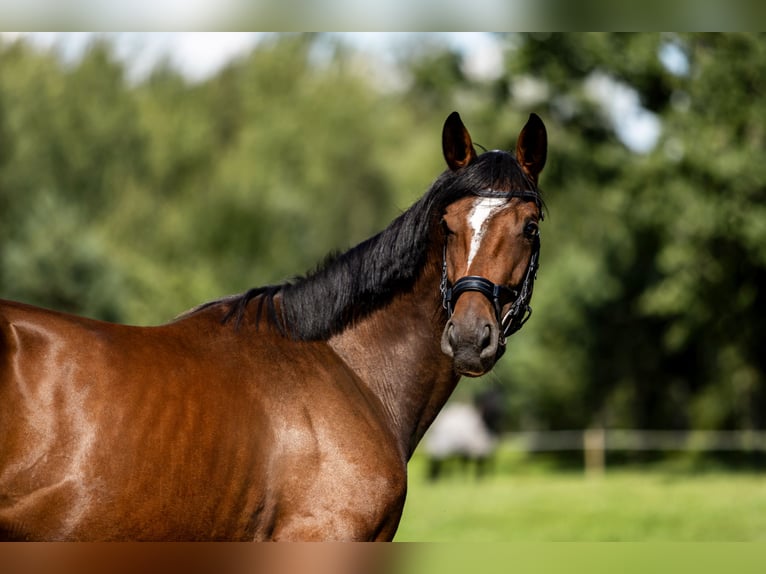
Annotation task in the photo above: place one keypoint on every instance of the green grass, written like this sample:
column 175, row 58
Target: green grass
column 526, row 502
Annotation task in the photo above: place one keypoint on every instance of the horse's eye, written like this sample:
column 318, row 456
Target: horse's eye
column 531, row 229
column 446, row 228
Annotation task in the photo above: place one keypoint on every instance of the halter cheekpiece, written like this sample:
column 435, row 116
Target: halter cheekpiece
column 499, row 295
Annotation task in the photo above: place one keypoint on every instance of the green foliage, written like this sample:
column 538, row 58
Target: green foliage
column 134, row 202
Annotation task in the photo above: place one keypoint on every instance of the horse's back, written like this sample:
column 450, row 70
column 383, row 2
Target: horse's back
column 184, row 431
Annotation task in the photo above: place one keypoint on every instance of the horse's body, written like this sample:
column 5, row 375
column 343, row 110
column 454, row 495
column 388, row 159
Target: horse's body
column 240, row 420
column 192, row 448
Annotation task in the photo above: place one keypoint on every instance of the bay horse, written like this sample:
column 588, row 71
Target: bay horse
column 288, row 412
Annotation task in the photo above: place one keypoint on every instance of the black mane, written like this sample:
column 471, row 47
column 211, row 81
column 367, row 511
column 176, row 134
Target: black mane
column 349, row 286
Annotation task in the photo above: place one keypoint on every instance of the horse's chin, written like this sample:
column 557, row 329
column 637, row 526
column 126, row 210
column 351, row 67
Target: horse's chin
column 472, row 367
column 475, row 366
column 471, row 374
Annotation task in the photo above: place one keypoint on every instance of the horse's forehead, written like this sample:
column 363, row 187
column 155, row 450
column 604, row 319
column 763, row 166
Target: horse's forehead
column 483, row 211
column 482, row 217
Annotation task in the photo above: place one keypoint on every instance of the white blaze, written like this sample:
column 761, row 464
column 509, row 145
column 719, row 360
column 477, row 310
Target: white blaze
column 483, row 210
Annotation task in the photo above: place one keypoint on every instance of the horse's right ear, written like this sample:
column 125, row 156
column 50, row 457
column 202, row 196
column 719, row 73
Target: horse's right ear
column 456, row 143
column 532, row 147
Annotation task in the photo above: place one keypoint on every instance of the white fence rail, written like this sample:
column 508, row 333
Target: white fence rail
column 596, row 442
column 619, row 439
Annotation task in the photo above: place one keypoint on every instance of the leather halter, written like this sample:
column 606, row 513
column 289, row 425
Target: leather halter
column 499, row 295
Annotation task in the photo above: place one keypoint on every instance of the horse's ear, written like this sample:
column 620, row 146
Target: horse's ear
column 532, row 147
column 456, row 143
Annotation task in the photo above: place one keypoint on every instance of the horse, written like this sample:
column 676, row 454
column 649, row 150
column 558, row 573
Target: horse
column 290, row 411
column 458, row 435
column 466, row 435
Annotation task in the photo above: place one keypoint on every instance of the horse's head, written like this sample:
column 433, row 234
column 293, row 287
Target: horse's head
column 492, row 243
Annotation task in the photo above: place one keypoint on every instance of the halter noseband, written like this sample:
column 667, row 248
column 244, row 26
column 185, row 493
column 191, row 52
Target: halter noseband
column 499, row 295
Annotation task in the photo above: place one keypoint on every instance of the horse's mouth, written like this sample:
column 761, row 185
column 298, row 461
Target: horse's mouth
column 472, row 374
column 474, row 365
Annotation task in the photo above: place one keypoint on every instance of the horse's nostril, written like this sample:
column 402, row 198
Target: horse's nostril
column 448, row 340
column 486, row 339
column 489, row 342
column 451, row 335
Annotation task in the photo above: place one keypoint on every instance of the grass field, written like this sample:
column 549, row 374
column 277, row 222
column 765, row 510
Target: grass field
column 529, row 503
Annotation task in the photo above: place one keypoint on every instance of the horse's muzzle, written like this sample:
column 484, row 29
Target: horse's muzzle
column 473, row 345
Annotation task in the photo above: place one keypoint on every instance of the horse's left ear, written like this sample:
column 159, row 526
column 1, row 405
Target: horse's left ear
column 532, row 147
column 456, row 143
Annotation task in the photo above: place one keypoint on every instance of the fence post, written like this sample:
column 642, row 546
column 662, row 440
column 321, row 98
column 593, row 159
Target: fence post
column 594, row 449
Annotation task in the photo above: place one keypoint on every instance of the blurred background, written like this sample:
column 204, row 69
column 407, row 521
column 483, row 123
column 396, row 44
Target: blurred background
column 142, row 174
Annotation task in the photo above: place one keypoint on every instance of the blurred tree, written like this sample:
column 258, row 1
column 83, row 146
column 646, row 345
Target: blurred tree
column 304, row 173
column 73, row 146
column 650, row 292
column 711, row 221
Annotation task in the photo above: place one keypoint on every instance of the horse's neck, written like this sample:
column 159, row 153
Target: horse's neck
column 396, row 351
